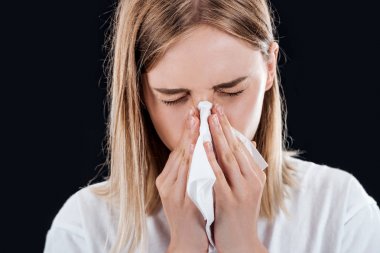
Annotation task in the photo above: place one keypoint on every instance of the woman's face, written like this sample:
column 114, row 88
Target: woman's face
column 193, row 66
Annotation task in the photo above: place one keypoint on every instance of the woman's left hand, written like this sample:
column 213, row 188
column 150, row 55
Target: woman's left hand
column 238, row 189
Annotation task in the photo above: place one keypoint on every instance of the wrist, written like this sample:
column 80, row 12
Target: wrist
column 254, row 246
column 257, row 247
column 175, row 248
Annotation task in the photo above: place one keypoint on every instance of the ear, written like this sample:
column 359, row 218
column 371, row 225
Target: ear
column 271, row 64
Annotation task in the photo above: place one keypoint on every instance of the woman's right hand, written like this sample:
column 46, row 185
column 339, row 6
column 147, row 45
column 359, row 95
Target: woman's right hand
column 187, row 226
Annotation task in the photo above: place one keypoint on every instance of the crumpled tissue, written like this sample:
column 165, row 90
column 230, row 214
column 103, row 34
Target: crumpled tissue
column 201, row 176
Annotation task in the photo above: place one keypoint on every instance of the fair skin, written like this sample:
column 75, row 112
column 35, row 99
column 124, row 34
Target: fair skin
column 197, row 63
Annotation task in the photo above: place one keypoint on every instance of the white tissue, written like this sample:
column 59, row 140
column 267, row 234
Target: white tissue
column 201, row 175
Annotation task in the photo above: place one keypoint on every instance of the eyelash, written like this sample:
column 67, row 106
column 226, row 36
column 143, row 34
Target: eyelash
column 182, row 99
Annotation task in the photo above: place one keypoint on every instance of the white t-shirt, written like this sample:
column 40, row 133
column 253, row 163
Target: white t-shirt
column 330, row 212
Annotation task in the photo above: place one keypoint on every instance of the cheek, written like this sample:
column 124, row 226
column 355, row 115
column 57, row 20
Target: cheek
column 168, row 121
column 244, row 114
column 169, row 124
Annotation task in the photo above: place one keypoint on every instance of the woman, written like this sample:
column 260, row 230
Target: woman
column 167, row 56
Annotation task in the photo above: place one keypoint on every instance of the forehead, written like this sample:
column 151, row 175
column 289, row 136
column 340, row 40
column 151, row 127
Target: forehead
column 205, row 57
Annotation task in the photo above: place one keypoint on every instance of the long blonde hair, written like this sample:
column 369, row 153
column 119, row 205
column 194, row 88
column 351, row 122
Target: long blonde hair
column 141, row 32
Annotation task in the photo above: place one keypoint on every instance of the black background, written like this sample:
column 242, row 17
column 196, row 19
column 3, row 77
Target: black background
column 54, row 113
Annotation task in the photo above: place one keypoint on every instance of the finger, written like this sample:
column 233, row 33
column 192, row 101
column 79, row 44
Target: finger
column 184, row 169
column 189, row 141
column 242, row 158
column 196, row 112
column 233, row 142
column 182, row 175
column 221, row 183
column 259, row 173
column 171, row 168
column 194, row 132
column 186, row 147
column 226, row 157
column 170, row 172
column 191, row 131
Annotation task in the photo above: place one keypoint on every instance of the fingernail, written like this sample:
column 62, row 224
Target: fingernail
column 195, row 125
column 219, row 109
column 208, row 146
column 191, row 121
column 215, row 121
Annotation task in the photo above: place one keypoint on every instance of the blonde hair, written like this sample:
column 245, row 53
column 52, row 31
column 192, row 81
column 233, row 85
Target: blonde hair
column 141, row 32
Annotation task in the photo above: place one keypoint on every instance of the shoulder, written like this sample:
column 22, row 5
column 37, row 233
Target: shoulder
column 81, row 205
column 315, row 176
column 81, row 224
column 331, row 187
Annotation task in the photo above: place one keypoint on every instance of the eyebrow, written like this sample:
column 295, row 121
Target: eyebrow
column 225, row 85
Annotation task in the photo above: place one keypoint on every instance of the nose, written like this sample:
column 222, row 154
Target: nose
column 202, row 97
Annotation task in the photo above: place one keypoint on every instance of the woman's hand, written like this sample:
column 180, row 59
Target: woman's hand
column 238, row 189
column 187, row 226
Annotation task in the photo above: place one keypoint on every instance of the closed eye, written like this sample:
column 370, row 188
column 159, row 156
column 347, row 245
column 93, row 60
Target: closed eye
column 184, row 99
